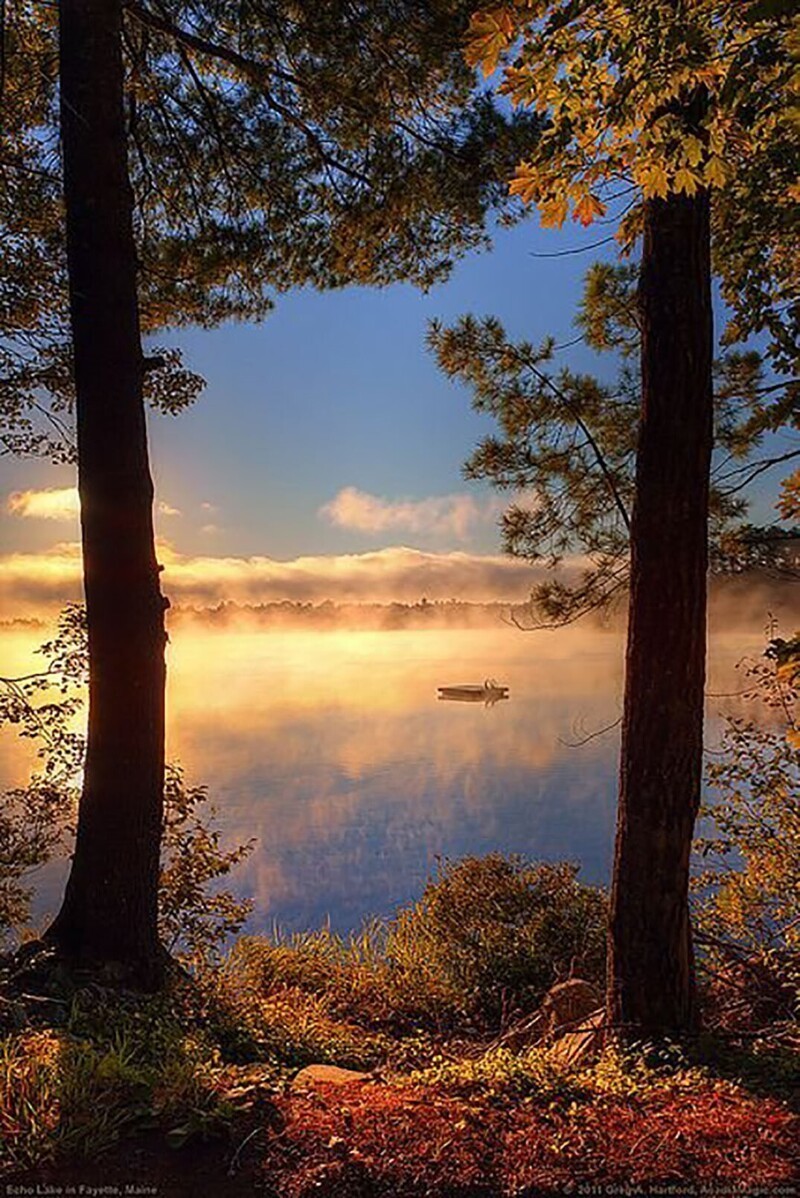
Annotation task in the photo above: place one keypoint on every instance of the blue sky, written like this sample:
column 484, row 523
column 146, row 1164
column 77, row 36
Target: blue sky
column 338, row 390
column 334, row 390
column 335, row 395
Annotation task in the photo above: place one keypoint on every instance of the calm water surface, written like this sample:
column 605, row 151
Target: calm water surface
column 333, row 750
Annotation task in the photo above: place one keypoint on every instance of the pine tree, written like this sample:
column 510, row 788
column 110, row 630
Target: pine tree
column 565, row 447
column 662, row 107
column 207, row 156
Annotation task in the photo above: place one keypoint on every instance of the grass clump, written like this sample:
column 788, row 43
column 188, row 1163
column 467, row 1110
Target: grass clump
column 294, row 1028
column 354, row 978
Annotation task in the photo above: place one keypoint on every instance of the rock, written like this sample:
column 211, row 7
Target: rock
column 576, row 1047
column 569, row 1003
column 328, row 1075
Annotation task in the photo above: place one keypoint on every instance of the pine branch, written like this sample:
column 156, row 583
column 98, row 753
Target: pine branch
column 257, row 72
column 546, row 381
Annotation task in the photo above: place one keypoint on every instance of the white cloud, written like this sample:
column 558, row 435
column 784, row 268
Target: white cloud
column 50, row 504
column 165, row 509
column 442, row 515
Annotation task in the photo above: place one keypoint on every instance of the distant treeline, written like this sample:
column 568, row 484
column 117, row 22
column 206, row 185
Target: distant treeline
column 439, row 613
column 745, row 601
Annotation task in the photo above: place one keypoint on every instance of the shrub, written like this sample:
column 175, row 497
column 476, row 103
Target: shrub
column 484, row 942
column 748, row 899
column 494, row 933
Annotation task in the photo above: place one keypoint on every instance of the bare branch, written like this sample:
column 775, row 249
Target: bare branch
column 576, row 744
column 752, row 472
column 580, row 249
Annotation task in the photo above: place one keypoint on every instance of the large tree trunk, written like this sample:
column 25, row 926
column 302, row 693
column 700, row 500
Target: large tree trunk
column 651, row 976
column 109, row 914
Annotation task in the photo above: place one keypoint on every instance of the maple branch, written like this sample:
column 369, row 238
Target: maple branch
column 581, row 249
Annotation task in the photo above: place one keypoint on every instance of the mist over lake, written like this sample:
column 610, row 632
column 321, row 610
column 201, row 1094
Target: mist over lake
column 332, row 748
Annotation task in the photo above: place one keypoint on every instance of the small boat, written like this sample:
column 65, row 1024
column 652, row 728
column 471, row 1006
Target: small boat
column 487, row 692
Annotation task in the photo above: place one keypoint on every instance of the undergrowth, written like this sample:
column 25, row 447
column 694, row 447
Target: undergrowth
column 77, row 1088
column 500, row 1073
column 485, row 941
column 206, row 1058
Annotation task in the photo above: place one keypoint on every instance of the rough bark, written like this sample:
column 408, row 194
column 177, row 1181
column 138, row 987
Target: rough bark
column 650, row 984
column 109, row 913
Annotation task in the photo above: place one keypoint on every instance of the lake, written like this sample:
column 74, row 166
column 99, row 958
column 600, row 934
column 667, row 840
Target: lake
column 334, row 751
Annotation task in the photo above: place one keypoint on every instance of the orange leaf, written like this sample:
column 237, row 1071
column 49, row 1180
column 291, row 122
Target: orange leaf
column 524, row 184
column 553, row 213
column 587, row 208
column 487, row 37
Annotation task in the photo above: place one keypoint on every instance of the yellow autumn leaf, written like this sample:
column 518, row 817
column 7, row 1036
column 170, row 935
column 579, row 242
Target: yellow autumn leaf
column 789, row 502
column 653, row 180
column 692, row 150
column 587, row 208
column 716, row 172
column 716, row 140
column 521, row 86
column 685, row 180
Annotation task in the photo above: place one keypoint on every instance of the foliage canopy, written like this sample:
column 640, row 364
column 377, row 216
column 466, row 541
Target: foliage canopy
column 270, row 146
column 665, row 98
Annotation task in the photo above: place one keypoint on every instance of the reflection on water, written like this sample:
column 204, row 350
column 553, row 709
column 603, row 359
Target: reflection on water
column 333, row 750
